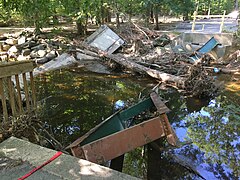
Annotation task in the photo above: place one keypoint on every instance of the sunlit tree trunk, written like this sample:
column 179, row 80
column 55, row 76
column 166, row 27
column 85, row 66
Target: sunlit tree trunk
column 236, row 5
column 156, row 13
column 117, row 19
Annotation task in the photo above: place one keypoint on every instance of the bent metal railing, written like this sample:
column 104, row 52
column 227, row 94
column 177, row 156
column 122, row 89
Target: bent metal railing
column 17, row 95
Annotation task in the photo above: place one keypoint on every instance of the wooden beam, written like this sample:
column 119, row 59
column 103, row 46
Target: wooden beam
column 13, row 68
column 114, row 145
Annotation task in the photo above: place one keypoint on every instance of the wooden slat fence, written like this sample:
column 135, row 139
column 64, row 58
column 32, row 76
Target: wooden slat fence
column 17, row 95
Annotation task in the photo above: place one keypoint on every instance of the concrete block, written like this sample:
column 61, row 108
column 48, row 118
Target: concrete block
column 196, row 37
column 64, row 167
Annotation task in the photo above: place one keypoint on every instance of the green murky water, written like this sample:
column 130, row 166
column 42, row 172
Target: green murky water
column 72, row 102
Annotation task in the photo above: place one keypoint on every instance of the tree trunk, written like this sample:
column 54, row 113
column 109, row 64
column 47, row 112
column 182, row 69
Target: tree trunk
column 108, row 15
column 179, row 81
column 130, row 13
column 102, row 13
column 117, row 19
column 185, row 16
column 37, row 29
column 156, row 13
column 151, row 14
column 80, row 28
column 236, row 5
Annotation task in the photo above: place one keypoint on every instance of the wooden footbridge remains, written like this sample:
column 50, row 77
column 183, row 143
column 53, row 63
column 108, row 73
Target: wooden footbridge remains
column 18, row 96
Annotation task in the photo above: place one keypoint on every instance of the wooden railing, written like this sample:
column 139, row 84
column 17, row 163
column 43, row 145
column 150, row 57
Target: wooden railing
column 14, row 86
column 222, row 19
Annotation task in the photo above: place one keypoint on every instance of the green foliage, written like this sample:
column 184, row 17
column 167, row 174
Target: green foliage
column 38, row 12
column 216, row 7
column 34, row 12
column 135, row 163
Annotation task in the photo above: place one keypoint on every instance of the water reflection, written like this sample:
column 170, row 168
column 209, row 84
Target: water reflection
column 74, row 102
column 215, row 130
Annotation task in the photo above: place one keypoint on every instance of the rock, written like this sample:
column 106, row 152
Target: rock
column 26, row 52
column 4, row 57
column 41, row 53
column 38, row 53
column 34, row 54
column 39, row 47
column 32, row 44
column 3, row 38
column 51, row 55
column 11, row 41
column 22, row 58
column 13, row 50
column 162, row 41
column 22, row 40
column 42, row 60
column 5, row 47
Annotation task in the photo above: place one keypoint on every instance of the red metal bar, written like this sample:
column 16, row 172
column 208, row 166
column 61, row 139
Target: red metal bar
column 39, row 167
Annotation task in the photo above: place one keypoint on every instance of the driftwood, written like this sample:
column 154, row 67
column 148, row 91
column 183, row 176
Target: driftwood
column 165, row 77
column 65, row 60
column 225, row 70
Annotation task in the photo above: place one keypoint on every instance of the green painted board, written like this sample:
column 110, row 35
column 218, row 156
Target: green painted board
column 117, row 121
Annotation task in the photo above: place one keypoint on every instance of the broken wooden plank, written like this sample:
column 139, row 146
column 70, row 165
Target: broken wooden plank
column 124, row 141
column 63, row 61
column 161, row 107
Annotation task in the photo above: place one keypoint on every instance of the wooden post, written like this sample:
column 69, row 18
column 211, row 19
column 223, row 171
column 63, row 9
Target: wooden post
column 34, row 105
column 19, row 97
column 3, row 99
column 11, row 96
column 194, row 20
column 222, row 23
column 26, row 92
column 209, row 9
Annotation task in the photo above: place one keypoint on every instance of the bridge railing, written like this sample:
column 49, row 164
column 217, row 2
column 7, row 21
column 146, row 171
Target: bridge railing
column 18, row 96
column 222, row 18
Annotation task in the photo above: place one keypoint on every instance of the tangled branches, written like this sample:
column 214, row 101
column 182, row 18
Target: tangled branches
column 200, row 83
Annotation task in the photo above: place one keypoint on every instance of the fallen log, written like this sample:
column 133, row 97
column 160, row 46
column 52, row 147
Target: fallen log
column 165, row 77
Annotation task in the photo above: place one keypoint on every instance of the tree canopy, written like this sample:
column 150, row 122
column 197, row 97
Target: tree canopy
column 38, row 13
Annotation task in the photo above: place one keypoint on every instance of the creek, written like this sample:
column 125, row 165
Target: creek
column 73, row 101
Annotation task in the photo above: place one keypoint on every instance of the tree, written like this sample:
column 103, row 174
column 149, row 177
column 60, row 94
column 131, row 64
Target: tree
column 236, row 5
column 33, row 12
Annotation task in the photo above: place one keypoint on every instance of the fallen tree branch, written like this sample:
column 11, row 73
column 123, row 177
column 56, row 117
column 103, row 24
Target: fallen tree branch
column 145, row 34
column 165, row 77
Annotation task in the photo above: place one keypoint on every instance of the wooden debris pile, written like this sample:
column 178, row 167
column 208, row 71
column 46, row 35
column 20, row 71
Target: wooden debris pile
column 31, row 128
column 145, row 51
